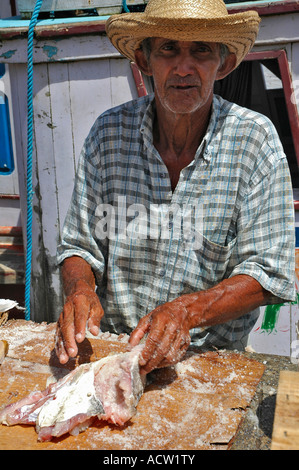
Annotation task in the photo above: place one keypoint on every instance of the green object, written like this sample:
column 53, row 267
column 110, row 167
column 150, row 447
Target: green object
column 271, row 317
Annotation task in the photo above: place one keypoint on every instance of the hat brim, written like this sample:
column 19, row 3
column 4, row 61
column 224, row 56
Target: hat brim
column 238, row 31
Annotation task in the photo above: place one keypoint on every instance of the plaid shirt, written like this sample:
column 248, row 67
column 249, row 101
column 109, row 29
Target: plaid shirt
column 231, row 213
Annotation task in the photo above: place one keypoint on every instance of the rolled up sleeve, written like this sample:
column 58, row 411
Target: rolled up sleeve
column 265, row 245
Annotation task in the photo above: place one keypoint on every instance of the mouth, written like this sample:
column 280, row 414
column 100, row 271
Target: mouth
column 183, row 87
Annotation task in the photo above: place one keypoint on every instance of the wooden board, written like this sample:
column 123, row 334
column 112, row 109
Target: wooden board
column 286, row 421
column 197, row 404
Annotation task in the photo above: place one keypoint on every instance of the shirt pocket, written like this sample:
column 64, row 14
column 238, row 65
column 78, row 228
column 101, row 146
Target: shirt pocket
column 206, row 265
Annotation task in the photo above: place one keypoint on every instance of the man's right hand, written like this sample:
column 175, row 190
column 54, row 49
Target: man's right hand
column 82, row 308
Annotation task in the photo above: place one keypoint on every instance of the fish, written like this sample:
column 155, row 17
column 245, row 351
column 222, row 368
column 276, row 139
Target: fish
column 108, row 389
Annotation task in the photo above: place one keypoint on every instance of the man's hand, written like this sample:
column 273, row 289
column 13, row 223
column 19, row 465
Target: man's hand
column 168, row 336
column 82, row 307
column 169, row 324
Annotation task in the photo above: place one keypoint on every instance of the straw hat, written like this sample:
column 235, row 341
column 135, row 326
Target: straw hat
column 184, row 20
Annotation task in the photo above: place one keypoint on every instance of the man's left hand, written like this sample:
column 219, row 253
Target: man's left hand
column 168, row 336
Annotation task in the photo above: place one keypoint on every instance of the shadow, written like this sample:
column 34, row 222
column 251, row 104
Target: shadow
column 265, row 413
column 95, row 424
column 58, row 370
column 160, row 378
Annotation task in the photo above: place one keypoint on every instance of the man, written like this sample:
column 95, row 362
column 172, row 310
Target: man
column 182, row 212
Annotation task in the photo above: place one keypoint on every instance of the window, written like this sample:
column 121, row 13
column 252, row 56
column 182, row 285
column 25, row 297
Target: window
column 262, row 83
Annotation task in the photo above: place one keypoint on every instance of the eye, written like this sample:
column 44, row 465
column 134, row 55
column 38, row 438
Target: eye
column 168, row 47
column 202, row 47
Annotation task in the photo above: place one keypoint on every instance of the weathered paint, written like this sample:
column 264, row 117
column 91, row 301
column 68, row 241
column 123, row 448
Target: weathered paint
column 51, row 51
column 270, row 318
column 8, row 54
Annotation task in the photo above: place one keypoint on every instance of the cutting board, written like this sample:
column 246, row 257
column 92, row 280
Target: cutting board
column 286, row 421
column 196, row 404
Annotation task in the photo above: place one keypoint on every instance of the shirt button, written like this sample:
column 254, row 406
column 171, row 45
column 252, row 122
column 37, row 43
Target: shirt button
column 162, row 273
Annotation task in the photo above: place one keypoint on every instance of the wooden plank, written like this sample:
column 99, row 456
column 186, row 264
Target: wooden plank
column 63, row 136
column 90, row 93
column 62, row 49
column 48, row 5
column 197, row 404
column 45, row 219
column 123, row 87
column 265, row 8
column 286, row 422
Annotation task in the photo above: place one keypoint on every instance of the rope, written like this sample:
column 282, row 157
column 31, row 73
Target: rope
column 125, row 7
column 30, row 191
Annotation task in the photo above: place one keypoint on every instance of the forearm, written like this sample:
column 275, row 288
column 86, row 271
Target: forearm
column 168, row 326
column 227, row 301
column 76, row 273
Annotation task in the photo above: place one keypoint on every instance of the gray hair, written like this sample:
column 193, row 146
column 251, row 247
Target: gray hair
column 146, row 47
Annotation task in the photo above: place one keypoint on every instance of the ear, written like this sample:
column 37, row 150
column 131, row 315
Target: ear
column 227, row 67
column 142, row 62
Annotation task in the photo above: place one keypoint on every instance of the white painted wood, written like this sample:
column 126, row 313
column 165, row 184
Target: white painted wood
column 19, row 105
column 103, row 6
column 65, row 49
column 45, row 159
column 5, row 9
column 10, row 214
column 62, row 135
column 278, row 29
column 51, row 5
column 276, row 341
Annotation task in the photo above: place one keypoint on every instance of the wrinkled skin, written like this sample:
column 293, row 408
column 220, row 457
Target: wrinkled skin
column 168, row 335
column 82, row 307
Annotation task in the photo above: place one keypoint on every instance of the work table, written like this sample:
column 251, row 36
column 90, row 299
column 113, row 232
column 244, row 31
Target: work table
column 215, row 400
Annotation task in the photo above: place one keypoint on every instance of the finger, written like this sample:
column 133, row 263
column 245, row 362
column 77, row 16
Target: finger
column 169, row 335
column 177, row 350
column 59, row 347
column 140, row 331
column 95, row 316
column 150, row 356
column 157, row 345
column 59, row 343
column 67, row 329
column 81, row 314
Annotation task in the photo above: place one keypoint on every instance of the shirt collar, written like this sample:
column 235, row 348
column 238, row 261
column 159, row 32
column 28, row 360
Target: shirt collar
column 147, row 123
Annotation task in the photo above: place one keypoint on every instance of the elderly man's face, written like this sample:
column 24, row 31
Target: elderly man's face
column 184, row 73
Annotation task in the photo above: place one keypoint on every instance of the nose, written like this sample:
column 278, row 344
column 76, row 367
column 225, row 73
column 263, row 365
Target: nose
column 185, row 64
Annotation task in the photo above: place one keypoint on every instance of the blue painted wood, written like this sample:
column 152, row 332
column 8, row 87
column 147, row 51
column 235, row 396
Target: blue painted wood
column 6, row 153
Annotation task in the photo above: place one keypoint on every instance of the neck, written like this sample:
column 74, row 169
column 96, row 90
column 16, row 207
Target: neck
column 179, row 135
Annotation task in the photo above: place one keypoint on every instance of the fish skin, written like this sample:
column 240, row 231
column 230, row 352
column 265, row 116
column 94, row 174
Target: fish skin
column 108, row 389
